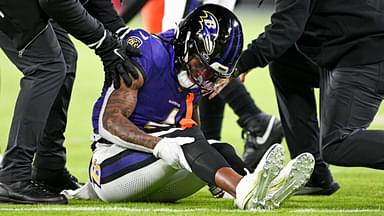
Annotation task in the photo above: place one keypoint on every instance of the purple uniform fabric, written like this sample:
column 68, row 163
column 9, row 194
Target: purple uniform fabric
column 161, row 100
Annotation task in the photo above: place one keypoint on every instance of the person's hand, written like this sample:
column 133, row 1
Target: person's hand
column 242, row 77
column 220, row 84
column 115, row 55
column 169, row 149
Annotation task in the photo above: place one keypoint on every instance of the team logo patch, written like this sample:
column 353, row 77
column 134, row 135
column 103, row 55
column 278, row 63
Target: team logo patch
column 95, row 173
column 209, row 30
column 134, row 41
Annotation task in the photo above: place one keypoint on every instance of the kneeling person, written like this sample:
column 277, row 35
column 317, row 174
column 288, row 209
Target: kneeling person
column 148, row 146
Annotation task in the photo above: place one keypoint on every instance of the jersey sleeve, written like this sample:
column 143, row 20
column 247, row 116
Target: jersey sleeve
column 152, row 49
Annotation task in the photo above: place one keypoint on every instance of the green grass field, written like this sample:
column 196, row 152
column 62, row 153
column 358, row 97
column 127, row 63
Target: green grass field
column 361, row 193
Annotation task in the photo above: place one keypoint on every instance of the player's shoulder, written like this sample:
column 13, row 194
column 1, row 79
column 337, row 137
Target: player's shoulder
column 140, row 38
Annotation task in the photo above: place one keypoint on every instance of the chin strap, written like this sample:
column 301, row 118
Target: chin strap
column 187, row 121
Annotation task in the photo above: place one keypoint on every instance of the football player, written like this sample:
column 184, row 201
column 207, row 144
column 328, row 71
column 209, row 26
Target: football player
column 147, row 143
column 259, row 129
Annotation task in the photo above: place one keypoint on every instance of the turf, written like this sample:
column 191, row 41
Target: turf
column 361, row 192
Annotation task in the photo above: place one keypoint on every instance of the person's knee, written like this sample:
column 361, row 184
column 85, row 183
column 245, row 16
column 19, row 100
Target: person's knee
column 332, row 152
column 335, row 144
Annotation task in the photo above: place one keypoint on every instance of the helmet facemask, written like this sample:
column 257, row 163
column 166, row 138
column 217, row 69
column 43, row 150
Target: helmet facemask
column 208, row 44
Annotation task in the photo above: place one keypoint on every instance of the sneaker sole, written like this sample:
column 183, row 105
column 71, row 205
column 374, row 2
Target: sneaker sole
column 10, row 200
column 299, row 175
column 273, row 163
column 21, row 201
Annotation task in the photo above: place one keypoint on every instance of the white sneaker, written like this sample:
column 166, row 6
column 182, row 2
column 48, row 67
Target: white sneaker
column 252, row 188
column 295, row 175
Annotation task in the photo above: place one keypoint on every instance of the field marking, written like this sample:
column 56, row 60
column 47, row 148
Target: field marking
column 127, row 209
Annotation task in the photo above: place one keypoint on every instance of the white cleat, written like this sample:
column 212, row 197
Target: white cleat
column 252, row 188
column 294, row 176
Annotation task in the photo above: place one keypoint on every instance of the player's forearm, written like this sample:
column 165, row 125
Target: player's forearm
column 121, row 105
column 120, row 126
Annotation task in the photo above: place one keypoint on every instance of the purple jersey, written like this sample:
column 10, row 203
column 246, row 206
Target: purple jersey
column 161, row 102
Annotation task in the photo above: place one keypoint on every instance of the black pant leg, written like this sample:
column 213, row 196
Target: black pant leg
column 239, row 99
column 212, row 111
column 51, row 153
column 43, row 66
column 350, row 98
column 211, row 117
column 294, row 79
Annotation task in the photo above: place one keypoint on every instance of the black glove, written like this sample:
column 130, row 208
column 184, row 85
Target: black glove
column 115, row 56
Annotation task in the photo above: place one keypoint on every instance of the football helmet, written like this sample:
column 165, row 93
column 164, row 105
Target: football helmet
column 213, row 35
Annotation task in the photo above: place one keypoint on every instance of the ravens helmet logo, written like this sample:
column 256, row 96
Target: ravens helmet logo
column 209, row 30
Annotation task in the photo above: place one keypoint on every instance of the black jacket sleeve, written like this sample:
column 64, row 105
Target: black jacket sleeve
column 287, row 25
column 105, row 13
column 72, row 16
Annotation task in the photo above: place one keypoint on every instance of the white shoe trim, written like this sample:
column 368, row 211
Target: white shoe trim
column 264, row 138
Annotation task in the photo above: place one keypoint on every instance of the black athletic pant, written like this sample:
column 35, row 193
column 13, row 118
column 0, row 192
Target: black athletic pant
column 349, row 100
column 40, row 114
column 294, row 78
column 212, row 111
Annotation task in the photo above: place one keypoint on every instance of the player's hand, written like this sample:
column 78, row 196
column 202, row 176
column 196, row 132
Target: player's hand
column 115, row 55
column 169, row 149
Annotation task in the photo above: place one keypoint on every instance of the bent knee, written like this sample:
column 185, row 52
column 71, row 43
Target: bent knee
column 333, row 153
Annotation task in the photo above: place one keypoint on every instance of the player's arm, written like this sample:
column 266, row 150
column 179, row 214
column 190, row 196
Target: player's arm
column 119, row 108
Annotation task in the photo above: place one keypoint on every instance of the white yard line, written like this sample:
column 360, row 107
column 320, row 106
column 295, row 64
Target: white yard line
column 127, row 209
column 337, row 210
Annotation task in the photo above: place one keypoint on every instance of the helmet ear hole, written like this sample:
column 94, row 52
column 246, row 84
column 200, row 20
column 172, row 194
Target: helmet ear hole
column 215, row 34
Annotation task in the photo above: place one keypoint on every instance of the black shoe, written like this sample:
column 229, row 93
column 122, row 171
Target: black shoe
column 311, row 189
column 56, row 180
column 320, row 183
column 259, row 132
column 29, row 192
column 216, row 191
